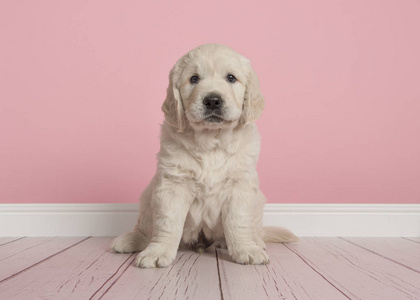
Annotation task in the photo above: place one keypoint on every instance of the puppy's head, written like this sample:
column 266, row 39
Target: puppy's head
column 212, row 87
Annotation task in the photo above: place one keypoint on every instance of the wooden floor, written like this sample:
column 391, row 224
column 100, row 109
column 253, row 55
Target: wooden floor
column 314, row 268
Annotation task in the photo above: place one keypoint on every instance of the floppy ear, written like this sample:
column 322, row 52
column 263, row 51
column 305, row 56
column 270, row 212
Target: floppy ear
column 172, row 106
column 254, row 100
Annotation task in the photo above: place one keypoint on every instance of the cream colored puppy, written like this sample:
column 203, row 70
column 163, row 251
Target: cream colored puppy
column 206, row 188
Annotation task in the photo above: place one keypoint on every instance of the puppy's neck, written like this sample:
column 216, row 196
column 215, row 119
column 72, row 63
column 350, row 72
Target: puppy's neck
column 209, row 139
column 204, row 140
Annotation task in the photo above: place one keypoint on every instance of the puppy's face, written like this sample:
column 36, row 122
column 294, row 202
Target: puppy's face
column 212, row 87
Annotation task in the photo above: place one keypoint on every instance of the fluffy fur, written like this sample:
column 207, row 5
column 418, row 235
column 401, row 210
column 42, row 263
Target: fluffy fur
column 206, row 188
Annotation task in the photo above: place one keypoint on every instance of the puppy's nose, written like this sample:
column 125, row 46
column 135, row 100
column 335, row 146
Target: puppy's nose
column 213, row 101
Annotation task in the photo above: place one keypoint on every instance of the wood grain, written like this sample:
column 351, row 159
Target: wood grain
column 24, row 253
column 192, row 276
column 116, row 276
column 286, row 277
column 358, row 273
column 398, row 250
column 76, row 273
column 314, row 268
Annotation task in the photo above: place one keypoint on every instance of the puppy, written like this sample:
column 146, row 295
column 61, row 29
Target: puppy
column 206, row 188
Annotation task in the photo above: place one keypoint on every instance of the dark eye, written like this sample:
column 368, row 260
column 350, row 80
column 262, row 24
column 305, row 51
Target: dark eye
column 231, row 78
column 194, row 79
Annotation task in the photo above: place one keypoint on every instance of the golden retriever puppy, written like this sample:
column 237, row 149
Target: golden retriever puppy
column 206, row 188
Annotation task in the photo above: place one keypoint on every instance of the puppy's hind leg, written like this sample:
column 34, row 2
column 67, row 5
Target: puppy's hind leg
column 139, row 238
column 129, row 242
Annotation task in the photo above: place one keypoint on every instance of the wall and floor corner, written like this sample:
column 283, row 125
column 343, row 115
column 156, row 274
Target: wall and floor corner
column 81, row 85
column 101, row 219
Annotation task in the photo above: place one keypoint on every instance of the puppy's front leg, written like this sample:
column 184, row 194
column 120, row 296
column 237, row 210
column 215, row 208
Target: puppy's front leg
column 240, row 218
column 170, row 204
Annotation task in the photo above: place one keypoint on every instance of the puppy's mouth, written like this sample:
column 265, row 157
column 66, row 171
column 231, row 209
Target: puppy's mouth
column 214, row 119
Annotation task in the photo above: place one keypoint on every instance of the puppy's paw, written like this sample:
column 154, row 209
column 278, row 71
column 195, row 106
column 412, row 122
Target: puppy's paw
column 250, row 255
column 128, row 243
column 260, row 243
column 156, row 256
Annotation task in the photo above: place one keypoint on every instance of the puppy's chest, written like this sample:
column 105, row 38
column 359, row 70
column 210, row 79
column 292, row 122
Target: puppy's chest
column 214, row 170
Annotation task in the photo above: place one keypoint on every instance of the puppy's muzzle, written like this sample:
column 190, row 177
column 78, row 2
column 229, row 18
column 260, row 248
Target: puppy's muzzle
column 213, row 104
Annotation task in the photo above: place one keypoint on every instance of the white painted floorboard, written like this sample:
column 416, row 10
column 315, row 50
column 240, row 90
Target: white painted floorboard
column 6, row 240
column 23, row 253
column 192, row 276
column 286, row 277
column 358, row 273
column 314, row 268
column 401, row 251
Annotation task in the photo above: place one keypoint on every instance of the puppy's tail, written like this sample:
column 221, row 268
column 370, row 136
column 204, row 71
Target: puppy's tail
column 278, row 235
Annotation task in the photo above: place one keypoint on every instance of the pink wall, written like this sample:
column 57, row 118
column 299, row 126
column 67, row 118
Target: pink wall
column 82, row 83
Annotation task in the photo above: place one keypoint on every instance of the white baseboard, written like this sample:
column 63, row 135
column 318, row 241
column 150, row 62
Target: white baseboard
column 381, row 220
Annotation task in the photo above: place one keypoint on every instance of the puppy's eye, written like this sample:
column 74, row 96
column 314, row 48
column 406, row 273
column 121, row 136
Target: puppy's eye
column 231, row 78
column 194, row 79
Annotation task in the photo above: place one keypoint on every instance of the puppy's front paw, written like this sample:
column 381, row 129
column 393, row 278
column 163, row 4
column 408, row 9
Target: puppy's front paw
column 156, row 256
column 250, row 255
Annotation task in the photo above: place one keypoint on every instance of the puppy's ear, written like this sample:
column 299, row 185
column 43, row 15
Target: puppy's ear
column 254, row 100
column 173, row 107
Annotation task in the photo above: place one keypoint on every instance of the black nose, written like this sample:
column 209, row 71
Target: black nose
column 213, row 101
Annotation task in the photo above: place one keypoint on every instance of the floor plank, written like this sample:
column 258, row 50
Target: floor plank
column 24, row 253
column 398, row 250
column 111, row 281
column 7, row 240
column 314, row 268
column 413, row 239
column 192, row 276
column 286, row 277
column 77, row 273
column 358, row 273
